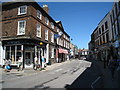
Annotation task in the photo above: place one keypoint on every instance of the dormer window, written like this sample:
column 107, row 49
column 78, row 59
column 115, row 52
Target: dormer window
column 52, row 25
column 46, row 20
column 39, row 14
column 22, row 10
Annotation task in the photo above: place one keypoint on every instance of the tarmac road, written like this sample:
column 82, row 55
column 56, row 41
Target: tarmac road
column 74, row 73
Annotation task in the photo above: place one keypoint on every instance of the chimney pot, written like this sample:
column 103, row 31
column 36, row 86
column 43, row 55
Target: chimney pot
column 45, row 8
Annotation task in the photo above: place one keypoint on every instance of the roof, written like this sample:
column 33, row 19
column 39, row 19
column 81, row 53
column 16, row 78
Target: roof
column 80, row 50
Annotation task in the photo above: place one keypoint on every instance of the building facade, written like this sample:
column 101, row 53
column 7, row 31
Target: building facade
column 83, row 53
column 28, row 31
column 106, row 35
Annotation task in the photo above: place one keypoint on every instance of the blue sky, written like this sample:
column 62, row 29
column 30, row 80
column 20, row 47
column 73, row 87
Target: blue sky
column 79, row 19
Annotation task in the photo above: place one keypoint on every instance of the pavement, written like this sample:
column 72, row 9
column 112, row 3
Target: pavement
column 28, row 72
column 98, row 67
column 108, row 82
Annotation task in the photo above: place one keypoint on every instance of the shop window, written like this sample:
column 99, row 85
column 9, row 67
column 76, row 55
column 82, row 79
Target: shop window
column 18, row 55
column 22, row 10
column 19, row 47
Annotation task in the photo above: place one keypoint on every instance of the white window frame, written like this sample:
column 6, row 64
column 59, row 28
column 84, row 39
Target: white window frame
column 22, row 7
column 58, row 29
column 52, row 37
column 46, row 20
column 52, row 53
column 39, row 14
column 46, row 33
column 18, row 31
column 38, row 30
column 58, row 41
column 64, row 43
column 52, row 25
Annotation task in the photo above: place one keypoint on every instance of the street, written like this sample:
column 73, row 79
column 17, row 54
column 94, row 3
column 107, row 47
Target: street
column 75, row 73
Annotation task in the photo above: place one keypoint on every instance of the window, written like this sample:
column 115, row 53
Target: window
column 102, row 28
column 106, row 25
column 39, row 14
column 46, row 20
column 103, row 39
column 38, row 30
column 52, row 25
column 21, row 27
column 46, row 34
column 52, row 53
column 107, row 37
column 58, row 29
column 52, row 37
column 58, row 41
column 22, row 10
column 64, row 43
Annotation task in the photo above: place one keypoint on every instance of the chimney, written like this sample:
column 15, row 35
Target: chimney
column 45, row 8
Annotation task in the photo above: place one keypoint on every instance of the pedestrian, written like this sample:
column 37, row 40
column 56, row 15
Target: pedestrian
column 43, row 64
column 118, row 72
column 112, row 65
column 35, row 63
column 108, row 57
column 7, row 66
column 104, row 60
column 9, row 62
column 20, row 64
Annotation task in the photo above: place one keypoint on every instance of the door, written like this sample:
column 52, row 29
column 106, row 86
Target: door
column 28, row 60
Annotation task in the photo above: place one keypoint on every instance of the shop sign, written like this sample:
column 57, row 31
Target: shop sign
column 41, row 43
column 63, row 51
column 116, row 44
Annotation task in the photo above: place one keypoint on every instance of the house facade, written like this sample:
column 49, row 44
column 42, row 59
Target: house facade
column 28, row 31
column 107, row 34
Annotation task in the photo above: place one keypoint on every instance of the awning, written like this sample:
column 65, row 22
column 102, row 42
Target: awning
column 63, row 51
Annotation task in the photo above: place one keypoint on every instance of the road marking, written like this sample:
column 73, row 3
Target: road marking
column 58, row 70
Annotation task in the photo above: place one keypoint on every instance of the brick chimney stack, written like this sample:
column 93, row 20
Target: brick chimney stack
column 45, row 7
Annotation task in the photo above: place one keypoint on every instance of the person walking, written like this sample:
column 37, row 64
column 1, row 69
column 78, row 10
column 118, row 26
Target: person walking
column 43, row 63
column 7, row 66
column 104, row 58
column 118, row 72
column 35, row 63
column 20, row 64
column 108, row 57
column 112, row 65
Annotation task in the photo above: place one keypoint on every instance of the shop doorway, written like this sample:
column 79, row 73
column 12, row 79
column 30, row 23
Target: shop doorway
column 29, row 57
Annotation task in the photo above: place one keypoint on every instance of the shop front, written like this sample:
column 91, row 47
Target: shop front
column 24, row 49
column 62, row 55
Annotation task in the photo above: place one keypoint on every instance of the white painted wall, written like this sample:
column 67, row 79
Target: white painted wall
column 1, row 54
column 47, row 56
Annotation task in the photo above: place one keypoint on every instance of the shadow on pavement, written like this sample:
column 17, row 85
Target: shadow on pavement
column 86, row 79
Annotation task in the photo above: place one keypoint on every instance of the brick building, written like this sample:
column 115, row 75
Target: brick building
column 28, row 31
